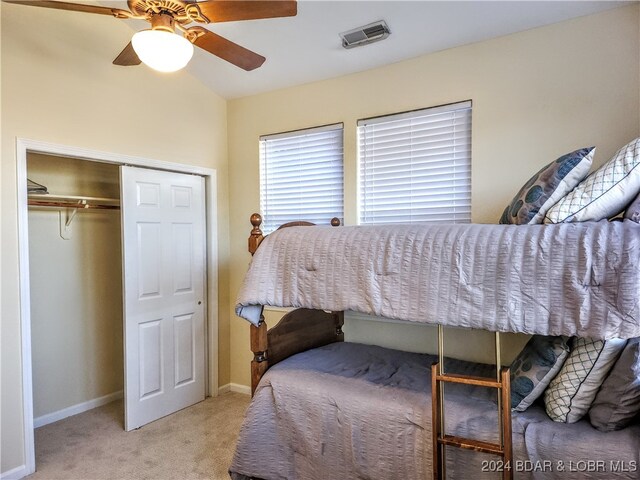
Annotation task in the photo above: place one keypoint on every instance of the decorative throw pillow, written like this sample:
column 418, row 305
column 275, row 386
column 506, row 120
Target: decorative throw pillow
column 633, row 211
column 618, row 401
column 547, row 187
column 532, row 370
column 605, row 192
column 571, row 392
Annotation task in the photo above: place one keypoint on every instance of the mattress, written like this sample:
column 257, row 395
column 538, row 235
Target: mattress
column 352, row 411
column 575, row 279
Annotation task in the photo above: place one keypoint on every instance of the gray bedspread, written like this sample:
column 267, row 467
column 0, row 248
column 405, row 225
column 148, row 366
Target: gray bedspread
column 350, row 411
column 571, row 279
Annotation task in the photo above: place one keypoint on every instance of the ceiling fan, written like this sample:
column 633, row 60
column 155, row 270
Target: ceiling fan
column 167, row 16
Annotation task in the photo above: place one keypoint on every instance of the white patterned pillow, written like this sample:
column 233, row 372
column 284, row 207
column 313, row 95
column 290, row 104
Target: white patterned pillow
column 605, row 192
column 570, row 395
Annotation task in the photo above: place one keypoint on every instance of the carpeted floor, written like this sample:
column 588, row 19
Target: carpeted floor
column 195, row 443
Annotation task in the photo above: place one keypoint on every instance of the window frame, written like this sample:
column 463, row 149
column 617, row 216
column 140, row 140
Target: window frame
column 464, row 106
column 268, row 225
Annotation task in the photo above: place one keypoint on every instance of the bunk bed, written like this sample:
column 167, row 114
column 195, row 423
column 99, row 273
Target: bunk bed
column 324, row 408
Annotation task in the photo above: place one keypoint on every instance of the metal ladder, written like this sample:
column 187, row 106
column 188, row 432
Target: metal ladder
column 440, row 439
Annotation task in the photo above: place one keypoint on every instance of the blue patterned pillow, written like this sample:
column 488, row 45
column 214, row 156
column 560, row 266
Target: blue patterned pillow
column 547, row 187
column 534, row 368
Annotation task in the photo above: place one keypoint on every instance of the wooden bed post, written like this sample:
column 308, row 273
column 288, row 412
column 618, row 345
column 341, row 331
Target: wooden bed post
column 339, row 317
column 259, row 364
column 255, row 237
column 289, row 336
column 259, row 346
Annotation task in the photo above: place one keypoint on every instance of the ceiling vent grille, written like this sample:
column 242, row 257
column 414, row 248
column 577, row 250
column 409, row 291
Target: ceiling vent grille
column 360, row 36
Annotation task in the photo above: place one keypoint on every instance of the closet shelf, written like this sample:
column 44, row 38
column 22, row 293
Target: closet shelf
column 73, row 201
column 71, row 205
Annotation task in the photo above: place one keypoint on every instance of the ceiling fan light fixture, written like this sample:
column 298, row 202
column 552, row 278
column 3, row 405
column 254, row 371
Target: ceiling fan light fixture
column 162, row 50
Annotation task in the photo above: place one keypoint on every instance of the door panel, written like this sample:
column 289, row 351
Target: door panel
column 185, row 349
column 150, row 337
column 150, row 258
column 164, row 270
column 182, row 236
column 148, row 194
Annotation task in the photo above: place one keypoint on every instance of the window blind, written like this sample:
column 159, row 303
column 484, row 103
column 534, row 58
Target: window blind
column 301, row 176
column 416, row 166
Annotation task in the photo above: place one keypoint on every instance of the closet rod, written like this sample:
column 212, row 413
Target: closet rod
column 40, row 203
column 74, row 202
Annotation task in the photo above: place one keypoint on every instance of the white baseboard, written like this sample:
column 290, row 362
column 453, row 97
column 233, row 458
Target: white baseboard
column 234, row 387
column 15, row 473
column 75, row 409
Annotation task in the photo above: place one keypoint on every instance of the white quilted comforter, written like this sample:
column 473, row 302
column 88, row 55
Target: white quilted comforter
column 568, row 279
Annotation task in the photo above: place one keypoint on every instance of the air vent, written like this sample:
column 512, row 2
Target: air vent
column 364, row 35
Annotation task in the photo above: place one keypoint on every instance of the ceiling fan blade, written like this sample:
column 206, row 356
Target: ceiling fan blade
column 76, row 7
column 127, row 57
column 226, row 49
column 233, row 10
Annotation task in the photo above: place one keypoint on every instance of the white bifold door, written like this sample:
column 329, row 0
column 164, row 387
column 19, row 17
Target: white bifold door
column 163, row 231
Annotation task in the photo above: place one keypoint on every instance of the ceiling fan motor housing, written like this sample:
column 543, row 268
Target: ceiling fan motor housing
column 142, row 7
column 181, row 11
column 163, row 21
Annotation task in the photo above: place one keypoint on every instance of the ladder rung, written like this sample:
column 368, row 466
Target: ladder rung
column 470, row 444
column 468, row 380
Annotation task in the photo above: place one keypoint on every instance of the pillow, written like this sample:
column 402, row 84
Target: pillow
column 532, row 370
column 633, row 211
column 605, row 192
column 571, row 392
column 547, row 187
column 618, row 401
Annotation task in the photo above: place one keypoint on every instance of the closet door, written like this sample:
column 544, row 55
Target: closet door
column 163, row 238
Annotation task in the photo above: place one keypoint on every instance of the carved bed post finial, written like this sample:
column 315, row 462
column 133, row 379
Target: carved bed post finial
column 256, row 234
column 335, row 222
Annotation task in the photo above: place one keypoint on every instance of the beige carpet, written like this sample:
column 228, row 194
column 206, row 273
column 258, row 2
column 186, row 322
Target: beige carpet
column 195, row 443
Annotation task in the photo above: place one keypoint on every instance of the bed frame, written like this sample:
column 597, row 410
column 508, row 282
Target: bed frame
column 303, row 329
column 299, row 330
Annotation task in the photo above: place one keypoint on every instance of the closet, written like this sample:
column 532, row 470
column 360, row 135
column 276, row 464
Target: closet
column 75, row 273
column 117, row 279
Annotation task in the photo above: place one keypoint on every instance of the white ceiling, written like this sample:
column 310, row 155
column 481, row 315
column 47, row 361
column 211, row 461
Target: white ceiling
column 307, row 48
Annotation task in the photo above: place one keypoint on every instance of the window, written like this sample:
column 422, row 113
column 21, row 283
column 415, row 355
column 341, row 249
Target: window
column 416, row 166
column 301, row 176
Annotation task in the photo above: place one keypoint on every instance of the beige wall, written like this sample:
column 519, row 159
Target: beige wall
column 76, row 288
column 59, row 86
column 536, row 95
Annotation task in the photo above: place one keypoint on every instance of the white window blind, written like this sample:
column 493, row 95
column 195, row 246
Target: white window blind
column 416, row 166
column 301, row 176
